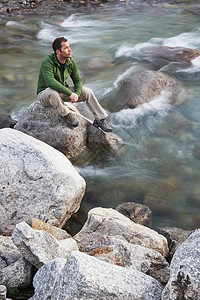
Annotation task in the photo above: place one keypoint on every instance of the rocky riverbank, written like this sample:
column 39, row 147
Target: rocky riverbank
column 19, row 7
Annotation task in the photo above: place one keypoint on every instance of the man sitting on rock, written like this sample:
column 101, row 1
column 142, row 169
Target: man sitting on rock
column 53, row 90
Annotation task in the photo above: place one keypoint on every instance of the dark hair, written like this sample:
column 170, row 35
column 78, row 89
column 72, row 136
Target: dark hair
column 57, row 43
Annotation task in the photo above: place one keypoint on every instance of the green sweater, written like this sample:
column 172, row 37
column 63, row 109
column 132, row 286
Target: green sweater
column 52, row 75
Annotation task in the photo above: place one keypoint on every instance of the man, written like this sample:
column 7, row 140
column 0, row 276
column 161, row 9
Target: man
column 53, row 90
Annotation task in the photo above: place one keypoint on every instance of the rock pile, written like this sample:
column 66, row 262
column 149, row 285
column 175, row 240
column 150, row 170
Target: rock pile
column 111, row 257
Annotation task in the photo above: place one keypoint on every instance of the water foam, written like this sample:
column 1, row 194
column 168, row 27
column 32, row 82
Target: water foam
column 120, row 78
column 186, row 39
column 195, row 66
column 76, row 21
column 131, row 51
column 158, row 108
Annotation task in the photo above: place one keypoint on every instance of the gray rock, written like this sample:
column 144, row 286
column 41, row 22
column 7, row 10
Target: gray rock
column 17, row 275
column 14, row 270
column 107, row 221
column 175, row 237
column 35, row 181
column 47, row 279
column 136, row 212
column 87, row 278
column 40, row 247
column 145, row 86
column 9, row 253
column 184, row 282
column 45, row 124
column 119, row 252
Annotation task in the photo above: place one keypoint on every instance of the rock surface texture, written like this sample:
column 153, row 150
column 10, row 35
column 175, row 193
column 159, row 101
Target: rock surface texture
column 107, row 221
column 87, row 278
column 35, row 181
column 45, row 124
column 184, row 282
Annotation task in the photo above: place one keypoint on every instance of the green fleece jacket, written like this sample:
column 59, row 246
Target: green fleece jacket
column 52, row 75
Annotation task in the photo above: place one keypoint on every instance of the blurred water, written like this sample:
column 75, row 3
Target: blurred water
column 158, row 167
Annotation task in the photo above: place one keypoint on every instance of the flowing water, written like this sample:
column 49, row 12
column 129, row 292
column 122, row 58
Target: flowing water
column 160, row 166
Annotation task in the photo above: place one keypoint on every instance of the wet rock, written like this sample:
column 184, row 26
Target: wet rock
column 136, row 212
column 6, row 121
column 160, row 197
column 40, row 247
column 85, row 277
column 46, row 125
column 184, row 279
column 35, row 181
column 58, row 233
column 160, row 56
column 107, row 221
column 119, row 252
column 145, row 86
column 175, row 237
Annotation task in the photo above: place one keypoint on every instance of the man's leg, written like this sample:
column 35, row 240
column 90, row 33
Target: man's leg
column 99, row 113
column 50, row 97
column 88, row 96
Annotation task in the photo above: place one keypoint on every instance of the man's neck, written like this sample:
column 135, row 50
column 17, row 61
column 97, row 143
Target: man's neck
column 62, row 61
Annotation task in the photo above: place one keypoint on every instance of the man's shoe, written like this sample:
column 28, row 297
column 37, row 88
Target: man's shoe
column 71, row 120
column 103, row 125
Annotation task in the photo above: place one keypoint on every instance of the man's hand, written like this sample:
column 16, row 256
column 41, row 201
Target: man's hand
column 73, row 98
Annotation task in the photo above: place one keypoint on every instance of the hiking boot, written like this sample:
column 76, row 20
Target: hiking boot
column 71, row 120
column 103, row 125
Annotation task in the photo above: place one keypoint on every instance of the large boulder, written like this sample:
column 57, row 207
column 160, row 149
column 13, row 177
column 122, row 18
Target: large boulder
column 184, row 282
column 40, row 247
column 85, row 277
column 82, row 142
column 107, row 221
column 35, row 181
column 145, row 86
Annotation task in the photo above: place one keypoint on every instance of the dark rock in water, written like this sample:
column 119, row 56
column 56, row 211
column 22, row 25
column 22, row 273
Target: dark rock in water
column 145, row 86
column 81, row 142
column 175, row 237
column 184, row 279
column 6, row 121
column 138, row 213
column 160, row 56
column 196, row 151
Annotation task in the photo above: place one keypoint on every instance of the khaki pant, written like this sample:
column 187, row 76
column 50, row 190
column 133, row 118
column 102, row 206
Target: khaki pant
column 50, row 97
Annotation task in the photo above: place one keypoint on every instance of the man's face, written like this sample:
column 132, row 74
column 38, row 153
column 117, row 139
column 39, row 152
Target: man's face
column 65, row 50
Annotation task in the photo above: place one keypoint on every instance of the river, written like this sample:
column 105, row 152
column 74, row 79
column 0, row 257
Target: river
column 159, row 166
